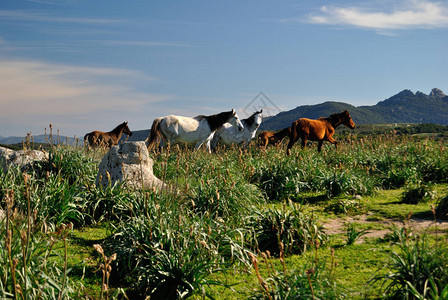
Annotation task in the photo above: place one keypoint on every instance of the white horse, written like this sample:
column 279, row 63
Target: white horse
column 229, row 134
column 197, row 130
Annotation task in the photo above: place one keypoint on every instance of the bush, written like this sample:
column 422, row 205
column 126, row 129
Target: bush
column 220, row 197
column 346, row 206
column 421, row 193
column 309, row 282
column 169, row 252
column 418, row 268
column 280, row 181
column 442, row 208
column 293, row 229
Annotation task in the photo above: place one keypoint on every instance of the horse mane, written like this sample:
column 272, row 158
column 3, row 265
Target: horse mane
column 251, row 120
column 336, row 119
column 216, row 121
column 118, row 128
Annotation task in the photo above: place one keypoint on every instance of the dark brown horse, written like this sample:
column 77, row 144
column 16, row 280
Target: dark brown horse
column 107, row 139
column 273, row 138
column 318, row 130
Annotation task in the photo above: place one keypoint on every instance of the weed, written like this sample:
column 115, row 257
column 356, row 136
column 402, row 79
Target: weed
column 354, row 235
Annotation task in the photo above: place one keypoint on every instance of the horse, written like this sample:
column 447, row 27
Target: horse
column 319, row 130
column 108, row 139
column 273, row 138
column 229, row 134
column 197, row 130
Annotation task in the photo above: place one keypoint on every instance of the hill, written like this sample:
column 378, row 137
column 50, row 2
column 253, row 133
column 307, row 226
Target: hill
column 404, row 107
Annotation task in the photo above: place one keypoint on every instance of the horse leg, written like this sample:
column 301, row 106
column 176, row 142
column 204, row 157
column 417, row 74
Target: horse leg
column 333, row 141
column 304, row 140
column 319, row 145
column 207, row 141
column 292, row 140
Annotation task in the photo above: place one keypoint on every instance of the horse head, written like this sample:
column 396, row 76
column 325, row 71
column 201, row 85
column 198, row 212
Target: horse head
column 254, row 120
column 235, row 120
column 347, row 120
column 258, row 118
column 126, row 129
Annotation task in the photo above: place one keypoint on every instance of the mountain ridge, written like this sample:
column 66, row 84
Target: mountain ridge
column 403, row 107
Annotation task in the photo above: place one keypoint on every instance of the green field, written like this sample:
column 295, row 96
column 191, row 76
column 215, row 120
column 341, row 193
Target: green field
column 365, row 221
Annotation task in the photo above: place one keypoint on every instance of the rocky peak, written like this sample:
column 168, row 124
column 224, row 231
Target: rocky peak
column 404, row 94
column 436, row 93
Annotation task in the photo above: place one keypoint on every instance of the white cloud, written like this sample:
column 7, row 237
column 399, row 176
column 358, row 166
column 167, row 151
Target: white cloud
column 411, row 14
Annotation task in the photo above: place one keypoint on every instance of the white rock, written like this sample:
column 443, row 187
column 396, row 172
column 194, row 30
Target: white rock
column 129, row 163
column 24, row 159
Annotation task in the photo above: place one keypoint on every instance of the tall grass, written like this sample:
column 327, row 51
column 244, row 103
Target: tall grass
column 418, row 269
column 168, row 244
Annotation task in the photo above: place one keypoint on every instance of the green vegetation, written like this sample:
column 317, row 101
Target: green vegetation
column 244, row 224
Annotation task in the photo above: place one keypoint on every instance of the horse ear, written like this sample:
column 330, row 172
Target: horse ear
column 233, row 111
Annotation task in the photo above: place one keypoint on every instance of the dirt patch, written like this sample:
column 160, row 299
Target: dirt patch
column 338, row 226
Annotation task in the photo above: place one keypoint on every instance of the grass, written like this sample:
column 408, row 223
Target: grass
column 362, row 184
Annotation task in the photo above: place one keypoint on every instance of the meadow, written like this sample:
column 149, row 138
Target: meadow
column 242, row 224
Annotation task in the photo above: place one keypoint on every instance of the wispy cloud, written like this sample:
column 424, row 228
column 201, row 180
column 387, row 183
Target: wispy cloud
column 40, row 16
column 34, row 93
column 146, row 43
column 409, row 14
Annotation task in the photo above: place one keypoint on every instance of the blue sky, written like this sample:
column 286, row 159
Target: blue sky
column 86, row 65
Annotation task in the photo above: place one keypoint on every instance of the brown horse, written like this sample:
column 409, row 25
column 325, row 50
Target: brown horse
column 318, row 130
column 107, row 139
column 273, row 138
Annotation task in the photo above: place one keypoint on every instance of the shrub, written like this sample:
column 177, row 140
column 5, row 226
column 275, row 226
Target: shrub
column 223, row 198
column 417, row 267
column 309, row 282
column 280, row 181
column 346, row 206
column 442, row 208
column 291, row 227
column 418, row 194
column 169, row 252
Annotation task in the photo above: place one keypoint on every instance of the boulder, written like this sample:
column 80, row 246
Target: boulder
column 24, row 159
column 129, row 163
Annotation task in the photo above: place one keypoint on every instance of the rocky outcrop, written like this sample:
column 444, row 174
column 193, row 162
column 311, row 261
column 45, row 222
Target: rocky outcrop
column 437, row 93
column 24, row 159
column 128, row 163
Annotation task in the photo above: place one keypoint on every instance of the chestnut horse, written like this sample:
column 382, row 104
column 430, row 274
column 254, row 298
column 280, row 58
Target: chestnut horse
column 273, row 138
column 318, row 130
column 107, row 139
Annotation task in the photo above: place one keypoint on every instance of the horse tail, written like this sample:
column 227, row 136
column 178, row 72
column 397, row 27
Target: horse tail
column 86, row 138
column 154, row 134
column 293, row 136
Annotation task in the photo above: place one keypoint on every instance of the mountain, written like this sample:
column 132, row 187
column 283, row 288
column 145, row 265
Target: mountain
column 40, row 139
column 404, row 107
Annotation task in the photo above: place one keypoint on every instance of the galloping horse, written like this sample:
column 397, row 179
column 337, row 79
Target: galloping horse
column 318, row 130
column 273, row 138
column 229, row 134
column 108, row 139
column 197, row 130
